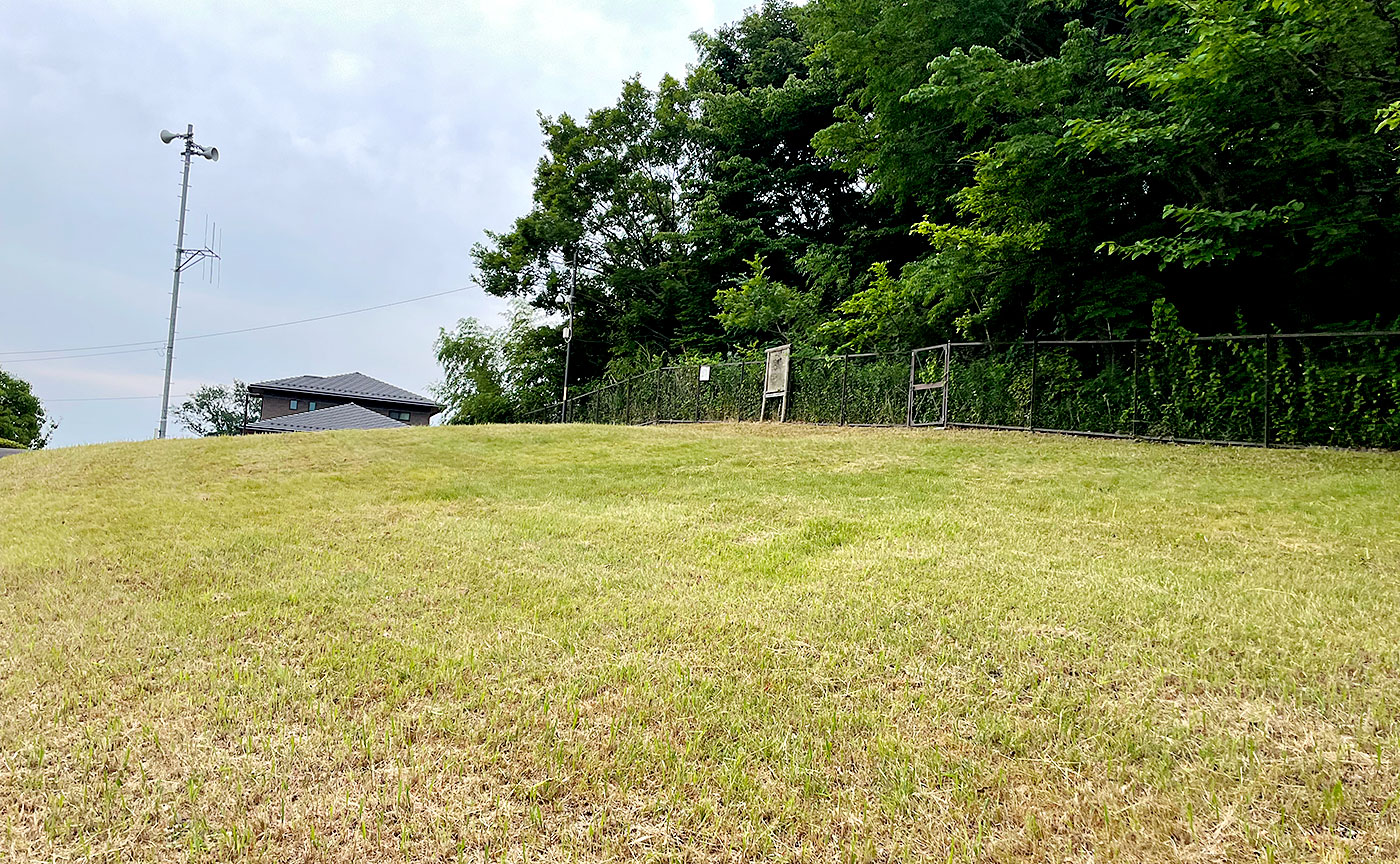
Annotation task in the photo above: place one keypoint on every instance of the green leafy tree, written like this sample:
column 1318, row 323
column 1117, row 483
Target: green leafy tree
column 605, row 225
column 1263, row 115
column 22, row 419
column 218, row 410
column 473, row 367
column 759, row 187
column 496, row 375
column 763, row 307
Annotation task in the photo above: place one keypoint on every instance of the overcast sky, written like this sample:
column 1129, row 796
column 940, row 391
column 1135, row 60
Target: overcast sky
column 364, row 146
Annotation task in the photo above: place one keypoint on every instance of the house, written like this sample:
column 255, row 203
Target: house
column 347, row 416
column 308, row 403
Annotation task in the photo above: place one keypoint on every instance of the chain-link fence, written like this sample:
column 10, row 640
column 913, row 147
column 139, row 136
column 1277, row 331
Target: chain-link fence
column 1328, row 389
column 850, row 390
column 1296, row 389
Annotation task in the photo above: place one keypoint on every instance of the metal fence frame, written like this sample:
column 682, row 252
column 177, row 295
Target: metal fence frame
column 1027, row 386
column 1264, row 363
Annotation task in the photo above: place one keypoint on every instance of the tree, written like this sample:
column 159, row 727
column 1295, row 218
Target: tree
column 218, row 410
column 474, row 384
column 764, row 307
column 605, row 225
column 759, row 188
column 22, row 419
column 882, row 174
column 1284, row 187
column 492, row 376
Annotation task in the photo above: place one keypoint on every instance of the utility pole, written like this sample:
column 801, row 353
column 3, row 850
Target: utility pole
column 569, row 336
column 183, row 257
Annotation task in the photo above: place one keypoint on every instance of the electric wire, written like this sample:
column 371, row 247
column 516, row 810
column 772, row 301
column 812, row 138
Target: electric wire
column 153, row 343
column 114, row 398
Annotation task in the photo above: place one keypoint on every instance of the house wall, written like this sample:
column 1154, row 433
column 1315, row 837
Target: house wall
column 280, row 406
column 415, row 418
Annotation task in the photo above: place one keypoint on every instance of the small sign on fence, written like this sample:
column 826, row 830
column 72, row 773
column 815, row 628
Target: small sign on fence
column 704, row 373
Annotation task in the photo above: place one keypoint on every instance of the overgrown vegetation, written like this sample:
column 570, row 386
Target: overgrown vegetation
column 877, row 175
column 698, row 644
column 23, row 422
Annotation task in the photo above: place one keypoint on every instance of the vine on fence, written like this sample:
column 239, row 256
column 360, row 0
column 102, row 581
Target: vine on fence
column 1334, row 389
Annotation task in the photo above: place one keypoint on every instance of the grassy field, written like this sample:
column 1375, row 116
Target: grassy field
column 696, row 644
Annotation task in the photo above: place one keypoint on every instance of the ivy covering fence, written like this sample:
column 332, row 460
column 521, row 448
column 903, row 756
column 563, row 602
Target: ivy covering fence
column 1324, row 389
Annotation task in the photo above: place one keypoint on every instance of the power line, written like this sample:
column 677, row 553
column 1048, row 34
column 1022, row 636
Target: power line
column 85, row 348
column 157, row 342
column 81, row 356
column 113, row 398
column 325, row 317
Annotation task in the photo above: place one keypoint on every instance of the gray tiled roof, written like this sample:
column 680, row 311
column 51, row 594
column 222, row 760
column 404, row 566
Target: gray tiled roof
column 351, row 385
column 347, row 416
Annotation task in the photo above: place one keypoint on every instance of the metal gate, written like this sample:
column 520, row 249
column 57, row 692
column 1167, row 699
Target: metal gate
column 928, row 385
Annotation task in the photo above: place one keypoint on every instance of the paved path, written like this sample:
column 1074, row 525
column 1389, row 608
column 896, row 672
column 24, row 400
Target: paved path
column 4, row 452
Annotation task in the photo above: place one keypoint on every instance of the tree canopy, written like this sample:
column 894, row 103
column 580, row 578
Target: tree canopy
column 881, row 174
column 22, row 418
column 218, row 410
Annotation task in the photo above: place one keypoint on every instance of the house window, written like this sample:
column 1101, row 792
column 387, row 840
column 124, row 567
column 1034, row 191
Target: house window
column 292, row 404
column 310, row 406
column 401, row 416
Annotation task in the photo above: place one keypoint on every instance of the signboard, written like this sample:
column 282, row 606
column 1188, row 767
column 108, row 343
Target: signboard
column 704, row 373
column 775, row 380
column 775, row 372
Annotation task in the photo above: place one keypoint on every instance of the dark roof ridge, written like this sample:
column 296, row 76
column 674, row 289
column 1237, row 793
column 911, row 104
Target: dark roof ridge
column 347, row 416
column 346, row 384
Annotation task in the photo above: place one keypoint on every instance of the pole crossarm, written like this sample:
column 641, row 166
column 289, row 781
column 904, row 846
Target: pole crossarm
column 189, row 256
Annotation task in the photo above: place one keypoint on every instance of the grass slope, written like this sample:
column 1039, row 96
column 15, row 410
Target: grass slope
column 715, row 643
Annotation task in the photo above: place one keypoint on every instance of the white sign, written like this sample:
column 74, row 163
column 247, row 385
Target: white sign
column 704, row 373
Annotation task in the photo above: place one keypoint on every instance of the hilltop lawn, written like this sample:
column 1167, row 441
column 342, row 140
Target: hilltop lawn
column 694, row 644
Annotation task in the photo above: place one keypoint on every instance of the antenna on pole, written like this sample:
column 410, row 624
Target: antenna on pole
column 183, row 257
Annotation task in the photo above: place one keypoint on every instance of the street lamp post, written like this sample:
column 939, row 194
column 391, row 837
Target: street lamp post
column 183, row 257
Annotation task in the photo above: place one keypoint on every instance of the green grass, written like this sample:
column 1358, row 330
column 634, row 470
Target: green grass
column 692, row 644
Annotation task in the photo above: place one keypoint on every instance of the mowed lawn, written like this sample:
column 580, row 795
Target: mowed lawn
column 698, row 644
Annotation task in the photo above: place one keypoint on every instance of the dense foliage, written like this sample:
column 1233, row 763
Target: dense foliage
column 880, row 174
column 218, row 410
column 495, row 376
column 22, row 419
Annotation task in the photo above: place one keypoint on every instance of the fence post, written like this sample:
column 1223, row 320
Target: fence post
column 699, row 387
column 1030, row 419
column 909, row 409
column 657, row 400
column 947, row 378
column 845, row 365
column 1268, row 384
column 1134, row 427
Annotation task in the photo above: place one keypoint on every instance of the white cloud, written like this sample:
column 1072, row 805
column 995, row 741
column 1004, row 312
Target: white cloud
column 345, row 68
